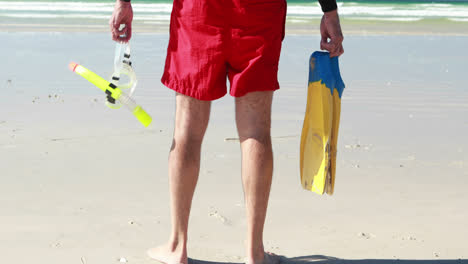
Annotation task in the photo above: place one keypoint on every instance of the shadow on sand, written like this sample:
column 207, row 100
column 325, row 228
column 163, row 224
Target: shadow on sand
column 319, row 259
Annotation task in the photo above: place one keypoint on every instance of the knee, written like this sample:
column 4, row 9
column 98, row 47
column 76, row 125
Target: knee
column 256, row 146
column 189, row 133
column 186, row 142
column 260, row 136
column 258, row 131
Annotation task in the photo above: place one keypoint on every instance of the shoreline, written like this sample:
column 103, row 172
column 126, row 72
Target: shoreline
column 350, row 27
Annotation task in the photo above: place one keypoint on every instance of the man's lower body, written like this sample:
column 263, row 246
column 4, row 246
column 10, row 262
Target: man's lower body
column 211, row 40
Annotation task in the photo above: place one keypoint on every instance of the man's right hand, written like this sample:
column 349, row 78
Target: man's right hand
column 123, row 14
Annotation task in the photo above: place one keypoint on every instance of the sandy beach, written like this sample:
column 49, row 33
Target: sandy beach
column 82, row 183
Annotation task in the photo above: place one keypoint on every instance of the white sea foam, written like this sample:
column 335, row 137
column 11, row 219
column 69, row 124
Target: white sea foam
column 433, row 10
column 47, row 15
column 402, row 19
column 394, row 12
column 53, row 6
column 80, row 7
column 297, row 20
column 83, row 16
column 459, row 19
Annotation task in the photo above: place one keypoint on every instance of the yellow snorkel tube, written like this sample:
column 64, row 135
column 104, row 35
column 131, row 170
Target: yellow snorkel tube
column 113, row 92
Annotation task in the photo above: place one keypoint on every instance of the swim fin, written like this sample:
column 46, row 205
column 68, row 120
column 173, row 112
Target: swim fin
column 319, row 137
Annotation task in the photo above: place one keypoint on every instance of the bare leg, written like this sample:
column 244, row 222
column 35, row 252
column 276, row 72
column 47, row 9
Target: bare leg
column 191, row 120
column 253, row 118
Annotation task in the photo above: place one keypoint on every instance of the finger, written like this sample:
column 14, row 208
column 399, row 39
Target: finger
column 338, row 40
column 129, row 32
column 115, row 37
column 337, row 52
column 341, row 50
column 329, row 46
column 334, row 52
column 114, row 34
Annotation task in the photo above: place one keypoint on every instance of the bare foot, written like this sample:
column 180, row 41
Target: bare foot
column 268, row 258
column 168, row 254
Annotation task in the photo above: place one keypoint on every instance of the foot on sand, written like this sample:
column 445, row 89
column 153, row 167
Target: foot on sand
column 268, row 258
column 168, row 255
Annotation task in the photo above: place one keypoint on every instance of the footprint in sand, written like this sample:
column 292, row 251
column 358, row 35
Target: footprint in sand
column 214, row 213
column 8, row 83
column 56, row 245
column 366, row 235
column 54, row 98
column 271, row 246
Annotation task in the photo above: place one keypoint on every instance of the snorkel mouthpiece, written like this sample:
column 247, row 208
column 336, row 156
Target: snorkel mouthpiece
column 72, row 66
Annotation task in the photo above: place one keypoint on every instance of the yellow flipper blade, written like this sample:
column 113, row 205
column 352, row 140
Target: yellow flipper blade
column 315, row 140
column 319, row 136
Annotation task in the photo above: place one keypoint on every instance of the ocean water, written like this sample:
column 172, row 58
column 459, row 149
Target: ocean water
column 158, row 11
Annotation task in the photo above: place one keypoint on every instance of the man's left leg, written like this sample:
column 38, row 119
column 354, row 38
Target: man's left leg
column 253, row 118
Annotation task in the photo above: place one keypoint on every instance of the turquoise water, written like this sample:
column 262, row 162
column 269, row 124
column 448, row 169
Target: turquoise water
column 158, row 11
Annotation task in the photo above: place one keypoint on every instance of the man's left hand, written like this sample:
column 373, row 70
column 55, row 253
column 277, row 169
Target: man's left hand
column 332, row 37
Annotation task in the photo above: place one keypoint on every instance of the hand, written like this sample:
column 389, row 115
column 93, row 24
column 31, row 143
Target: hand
column 123, row 14
column 332, row 38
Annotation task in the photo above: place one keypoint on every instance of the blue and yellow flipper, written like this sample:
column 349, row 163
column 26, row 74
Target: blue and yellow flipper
column 321, row 123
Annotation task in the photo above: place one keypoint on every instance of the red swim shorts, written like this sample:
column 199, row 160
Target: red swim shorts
column 214, row 39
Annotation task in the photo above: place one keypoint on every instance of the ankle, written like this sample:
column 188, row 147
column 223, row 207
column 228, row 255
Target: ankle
column 255, row 253
column 255, row 259
column 177, row 244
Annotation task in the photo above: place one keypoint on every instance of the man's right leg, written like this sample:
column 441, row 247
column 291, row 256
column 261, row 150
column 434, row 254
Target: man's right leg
column 191, row 121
